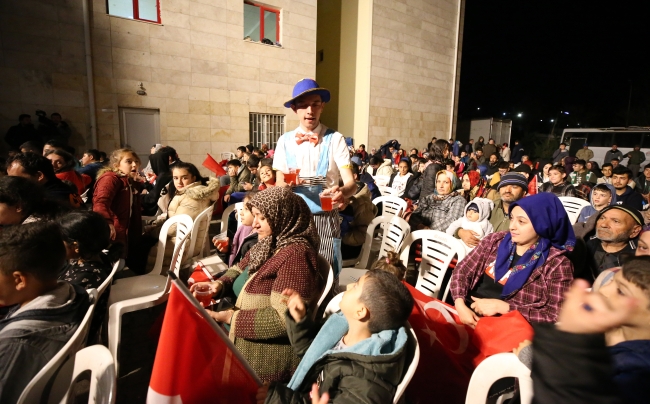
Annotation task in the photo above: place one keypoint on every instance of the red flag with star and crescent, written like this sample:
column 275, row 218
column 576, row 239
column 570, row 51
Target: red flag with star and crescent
column 450, row 350
column 195, row 361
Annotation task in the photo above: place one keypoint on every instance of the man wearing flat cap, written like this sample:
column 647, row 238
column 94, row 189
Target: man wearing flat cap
column 323, row 158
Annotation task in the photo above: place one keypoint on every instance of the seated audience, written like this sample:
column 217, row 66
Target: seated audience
column 512, row 188
column 116, row 198
column 86, row 235
column 476, row 217
column 64, row 164
column 557, row 183
column 267, row 177
column 438, row 152
column 616, row 229
column 32, row 147
column 283, row 258
column 40, row 170
column 606, row 177
column 21, row 201
column 402, row 180
column 643, row 183
column 593, row 168
column 359, row 354
column 380, row 166
column 239, row 175
column 53, row 144
column 643, row 247
column 581, row 175
column 602, row 195
column 524, row 269
column 438, row 211
column 246, row 235
column 625, row 195
column 38, row 314
column 474, row 186
column 160, row 164
column 90, row 163
column 392, row 263
column 356, row 213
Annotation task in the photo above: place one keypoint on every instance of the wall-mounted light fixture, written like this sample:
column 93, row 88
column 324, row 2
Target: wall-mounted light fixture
column 141, row 90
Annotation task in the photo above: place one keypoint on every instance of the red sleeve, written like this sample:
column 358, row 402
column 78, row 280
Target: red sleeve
column 105, row 190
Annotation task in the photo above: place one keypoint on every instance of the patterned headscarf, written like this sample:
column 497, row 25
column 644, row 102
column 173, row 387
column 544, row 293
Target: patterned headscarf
column 552, row 225
column 290, row 220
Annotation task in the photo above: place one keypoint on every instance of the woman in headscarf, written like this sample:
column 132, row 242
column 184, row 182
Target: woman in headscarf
column 474, row 186
column 524, row 269
column 437, row 211
column 283, row 258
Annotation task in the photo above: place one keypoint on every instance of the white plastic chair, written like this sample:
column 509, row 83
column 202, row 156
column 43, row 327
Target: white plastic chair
column 227, row 156
column 117, row 267
column 573, row 206
column 333, row 306
column 395, row 231
column 237, row 207
column 494, row 368
column 381, row 180
column 154, row 281
column 118, row 310
column 413, row 365
column 438, row 250
column 98, row 360
column 203, row 219
column 325, row 267
column 391, row 205
column 388, row 191
column 41, row 388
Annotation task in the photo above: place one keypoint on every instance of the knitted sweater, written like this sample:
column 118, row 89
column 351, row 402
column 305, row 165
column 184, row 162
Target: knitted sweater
column 258, row 327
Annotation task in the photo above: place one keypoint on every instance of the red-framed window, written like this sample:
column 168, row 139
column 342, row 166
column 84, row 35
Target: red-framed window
column 261, row 22
column 143, row 10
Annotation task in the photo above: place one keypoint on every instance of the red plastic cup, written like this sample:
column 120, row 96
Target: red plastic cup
column 203, row 295
column 290, row 177
column 326, row 201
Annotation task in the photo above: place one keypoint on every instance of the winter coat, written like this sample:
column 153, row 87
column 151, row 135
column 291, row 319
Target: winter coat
column 482, row 226
column 437, row 215
column 590, row 210
column 505, row 153
column 32, row 335
column 559, row 154
column 572, row 368
column 237, row 181
column 564, row 189
column 517, row 153
column 631, row 361
column 409, row 183
column 366, row 372
column 117, row 199
column 636, row 157
column 19, row 134
column 81, row 181
column 612, row 154
column 630, row 198
column 242, row 241
column 364, row 211
column 386, row 168
column 576, row 178
column 489, row 149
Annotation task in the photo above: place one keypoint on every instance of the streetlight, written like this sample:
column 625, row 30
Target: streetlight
column 556, row 119
column 519, row 115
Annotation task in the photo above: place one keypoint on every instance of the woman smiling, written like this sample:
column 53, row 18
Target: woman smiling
column 524, row 269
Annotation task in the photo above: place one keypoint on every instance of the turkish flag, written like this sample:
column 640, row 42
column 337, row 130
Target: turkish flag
column 212, row 165
column 450, row 351
column 195, row 361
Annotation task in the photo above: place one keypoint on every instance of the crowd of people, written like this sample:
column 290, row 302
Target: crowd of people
column 64, row 219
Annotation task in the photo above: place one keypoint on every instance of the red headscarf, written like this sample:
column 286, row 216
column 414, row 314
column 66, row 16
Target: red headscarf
column 474, row 178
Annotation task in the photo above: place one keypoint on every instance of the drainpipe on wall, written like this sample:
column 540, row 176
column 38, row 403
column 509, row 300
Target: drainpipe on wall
column 89, row 74
column 454, row 85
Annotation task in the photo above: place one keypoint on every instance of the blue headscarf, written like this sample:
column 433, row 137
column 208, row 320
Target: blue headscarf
column 552, row 225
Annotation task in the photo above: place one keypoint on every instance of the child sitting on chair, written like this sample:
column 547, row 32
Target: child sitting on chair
column 360, row 354
column 477, row 213
column 38, row 315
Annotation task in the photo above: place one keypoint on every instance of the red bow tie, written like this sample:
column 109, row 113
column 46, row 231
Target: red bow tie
column 304, row 137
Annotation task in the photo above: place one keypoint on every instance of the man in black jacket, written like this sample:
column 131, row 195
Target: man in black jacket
column 21, row 133
column 625, row 195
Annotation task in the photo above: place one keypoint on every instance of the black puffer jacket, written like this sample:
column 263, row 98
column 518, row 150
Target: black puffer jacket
column 347, row 377
column 429, row 179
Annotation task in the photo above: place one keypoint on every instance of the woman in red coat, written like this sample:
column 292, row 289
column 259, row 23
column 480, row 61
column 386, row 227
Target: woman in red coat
column 117, row 198
column 63, row 163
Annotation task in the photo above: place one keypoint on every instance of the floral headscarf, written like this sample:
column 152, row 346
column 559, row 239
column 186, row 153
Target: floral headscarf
column 290, row 220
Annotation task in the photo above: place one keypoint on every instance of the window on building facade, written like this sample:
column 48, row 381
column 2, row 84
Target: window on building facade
column 265, row 128
column 261, row 23
column 144, row 10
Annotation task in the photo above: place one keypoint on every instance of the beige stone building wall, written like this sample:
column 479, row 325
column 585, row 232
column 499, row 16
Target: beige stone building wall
column 413, row 72
column 42, row 63
column 198, row 71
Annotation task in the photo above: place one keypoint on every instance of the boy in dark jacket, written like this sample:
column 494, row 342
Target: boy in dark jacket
column 360, row 355
column 39, row 314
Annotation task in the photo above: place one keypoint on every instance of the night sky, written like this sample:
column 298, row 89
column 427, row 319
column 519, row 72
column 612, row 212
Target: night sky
column 538, row 58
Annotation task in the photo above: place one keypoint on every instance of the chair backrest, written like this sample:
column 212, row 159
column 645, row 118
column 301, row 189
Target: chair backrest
column 412, row 358
column 325, row 269
column 117, row 266
column 395, row 231
column 494, row 368
column 226, row 213
column 334, row 305
column 98, row 360
column 42, row 387
column 201, row 225
column 381, row 180
column 184, row 224
column 227, row 156
column 391, row 205
column 573, row 206
column 388, row 191
column 438, row 250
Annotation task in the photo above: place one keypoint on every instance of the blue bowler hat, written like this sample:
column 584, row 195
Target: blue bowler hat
column 308, row 86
